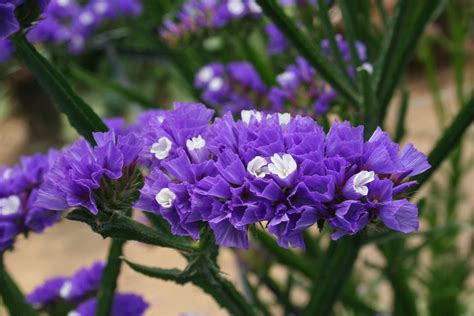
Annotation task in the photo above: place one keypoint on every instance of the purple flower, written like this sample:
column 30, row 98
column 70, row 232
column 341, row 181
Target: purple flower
column 6, row 50
column 84, row 282
column 232, row 87
column 281, row 170
column 8, row 21
column 277, row 42
column 46, row 293
column 123, row 305
column 18, row 193
column 78, row 174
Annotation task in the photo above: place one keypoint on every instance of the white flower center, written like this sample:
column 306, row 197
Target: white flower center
column 101, row 7
column 246, row 115
column 73, row 313
column 7, row 174
column 282, row 166
column 254, row 7
column 10, row 205
column 258, row 167
column 361, row 180
column 367, row 67
column 205, row 74
column 161, row 149
column 216, row 84
column 236, row 7
column 160, row 118
column 63, row 3
column 284, row 119
column 66, row 289
column 196, row 143
column 86, row 18
column 165, row 197
column 285, row 78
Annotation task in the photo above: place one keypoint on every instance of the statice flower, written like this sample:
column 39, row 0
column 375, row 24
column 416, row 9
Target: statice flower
column 8, row 22
column 123, row 305
column 281, row 171
column 18, row 193
column 233, row 87
column 73, row 23
column 277, row 42
column 198, row 17
column 84, row 174
column 301, row 91
column 6, row 50
column 75, row 295
column 343, row 46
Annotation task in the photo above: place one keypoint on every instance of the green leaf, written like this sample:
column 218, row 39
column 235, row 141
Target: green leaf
column 331, row 36
column 12, row 297
column 403, row 34
column 123, row 227
column 447, row 142
column 80, row 115
column 92, row 80
column 309, row 51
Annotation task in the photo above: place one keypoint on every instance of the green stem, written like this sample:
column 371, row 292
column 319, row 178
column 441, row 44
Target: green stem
column 448, row 141
column 109, row 279
column 308, row 50
column 12, row 297
column 333, row 271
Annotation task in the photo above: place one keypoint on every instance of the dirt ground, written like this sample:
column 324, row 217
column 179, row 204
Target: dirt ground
column 67, row 246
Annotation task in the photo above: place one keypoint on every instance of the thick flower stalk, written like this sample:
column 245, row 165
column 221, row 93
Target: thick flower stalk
column 198, row 17
column 103, row 177
column 280, row 171
column 18, row 193
column 233, row 87
column 75, row 295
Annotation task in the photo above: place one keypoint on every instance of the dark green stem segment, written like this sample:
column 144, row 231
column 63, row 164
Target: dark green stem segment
column 109, row 279
column 80, row 115
column 448, row 141
column 333, row 271
column 12, row 297
column 209, row 279
column 309, row 51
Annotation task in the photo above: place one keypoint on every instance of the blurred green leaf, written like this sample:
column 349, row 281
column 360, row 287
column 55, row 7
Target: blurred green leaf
column 80, row 115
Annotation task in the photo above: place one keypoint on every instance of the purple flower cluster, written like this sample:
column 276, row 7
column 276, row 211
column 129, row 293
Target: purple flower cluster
column 71, row 23
column 18, row 192
column 78, row 292
column 76, row 178
column 233, row 87
column 299, row 90
column 202, row 16
column 277, row 170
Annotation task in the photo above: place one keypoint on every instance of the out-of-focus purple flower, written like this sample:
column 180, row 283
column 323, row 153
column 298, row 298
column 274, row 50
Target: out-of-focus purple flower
column 301, row 91
column 76, row 294
column 18, row 193
column 198, row 16
column 8, row 21
column 277, row 42
column 6, row 50
column 84, row 282
column 46, row 293
column 232, row 87
column 281, row 170
column 78, row 173
column 123, row 305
